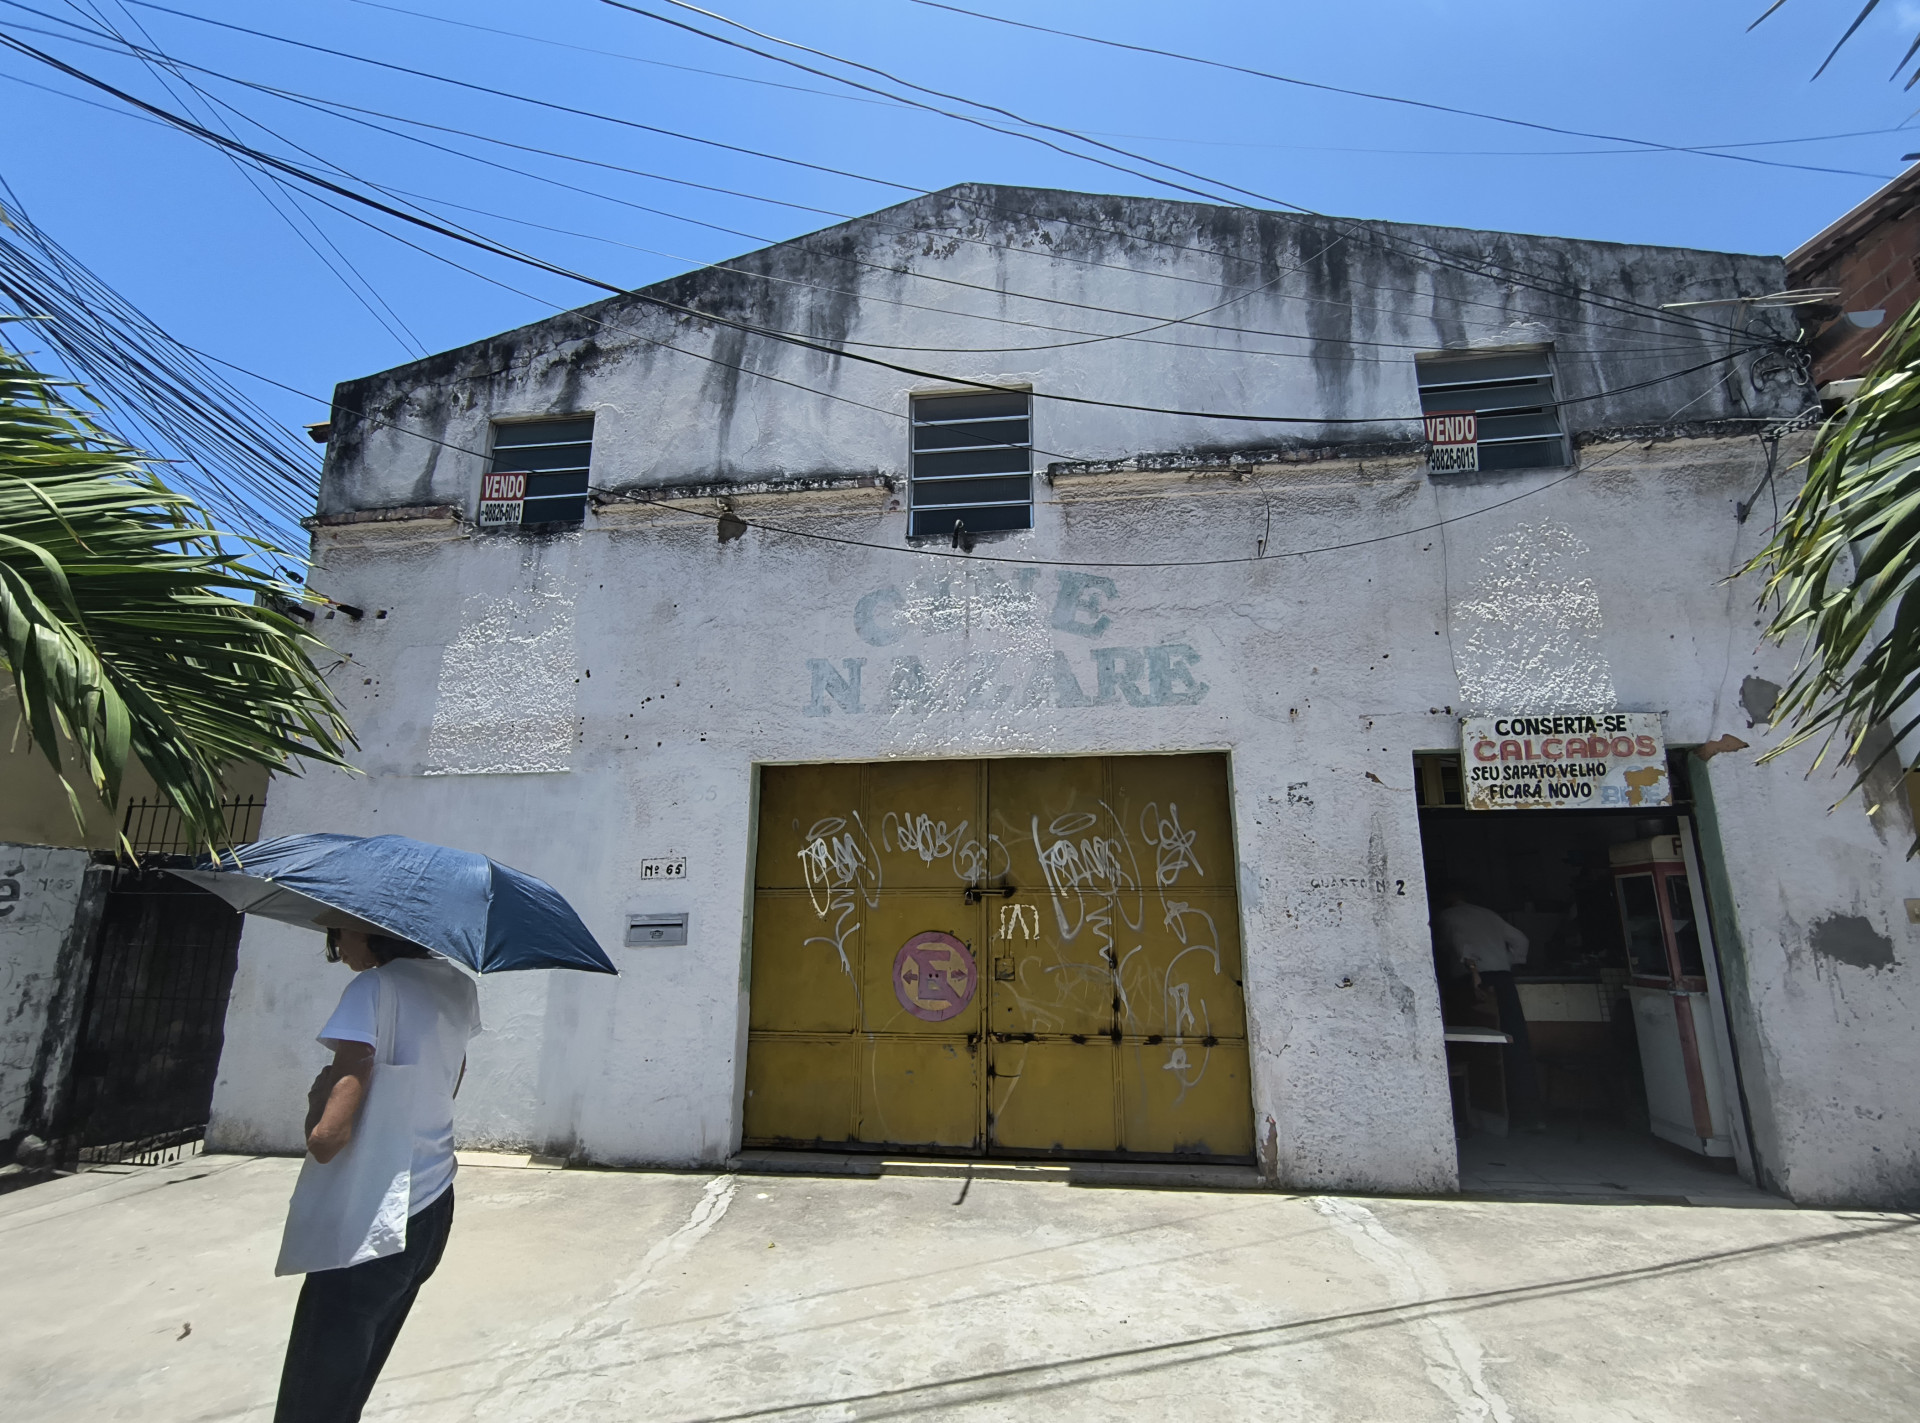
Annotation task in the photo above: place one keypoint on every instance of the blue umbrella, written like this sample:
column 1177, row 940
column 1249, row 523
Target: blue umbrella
column 465, row 906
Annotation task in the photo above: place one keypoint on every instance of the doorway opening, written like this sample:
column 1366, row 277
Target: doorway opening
column 1588, row 1059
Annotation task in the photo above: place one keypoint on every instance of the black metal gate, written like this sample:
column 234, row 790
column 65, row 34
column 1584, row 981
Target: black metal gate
column 155, row 1017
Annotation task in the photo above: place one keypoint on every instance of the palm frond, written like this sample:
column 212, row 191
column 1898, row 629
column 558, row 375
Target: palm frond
column 1858, row 20
column 1843, row 571
column 132, row 628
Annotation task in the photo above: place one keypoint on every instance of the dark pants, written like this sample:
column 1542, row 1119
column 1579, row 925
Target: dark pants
column 1523, row 1077
column 347, row 1320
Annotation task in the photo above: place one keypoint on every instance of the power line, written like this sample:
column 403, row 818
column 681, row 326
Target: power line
column 1632, row 147
column 158, row 66
column 1474, row 265
column 497, row 249
column 1092, row 337
column 505, row 94
column 1436, row 254
column 1646, row 144
column 329, row 106
column 335, row 105
column 500, row 250
column 806, row 535
column 236, row 459
column 583, row 315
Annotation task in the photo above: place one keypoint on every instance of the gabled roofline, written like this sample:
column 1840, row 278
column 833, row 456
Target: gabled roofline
column 680, row 285
column 1895, row 196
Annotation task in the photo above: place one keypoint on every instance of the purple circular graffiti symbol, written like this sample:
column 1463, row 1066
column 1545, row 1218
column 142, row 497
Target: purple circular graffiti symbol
column 933, row 976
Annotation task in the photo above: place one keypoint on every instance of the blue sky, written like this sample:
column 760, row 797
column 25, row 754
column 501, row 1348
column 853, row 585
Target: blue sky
column 180, row 231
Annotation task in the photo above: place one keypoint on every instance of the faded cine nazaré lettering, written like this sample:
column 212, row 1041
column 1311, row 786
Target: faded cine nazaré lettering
column 1009, row 628
column 1564, row 762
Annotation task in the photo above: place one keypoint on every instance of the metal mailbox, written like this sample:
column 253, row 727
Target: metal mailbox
column 649, row 930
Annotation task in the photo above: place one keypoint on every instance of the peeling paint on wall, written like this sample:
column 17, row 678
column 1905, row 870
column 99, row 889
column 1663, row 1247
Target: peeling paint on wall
column 40, row 889
column 1533, row 626
column 1851, row 939
column 506, row 699
column 1757, row 698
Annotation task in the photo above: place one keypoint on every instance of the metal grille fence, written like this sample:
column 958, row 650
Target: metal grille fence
column 154, row 1022
column 155, row 827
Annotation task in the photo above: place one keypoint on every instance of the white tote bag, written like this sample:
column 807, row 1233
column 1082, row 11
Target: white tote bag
column 354, row 1208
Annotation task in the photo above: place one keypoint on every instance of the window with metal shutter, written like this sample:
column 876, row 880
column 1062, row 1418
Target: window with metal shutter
column 1511, row 392
column 972, row 463
column 552, row 456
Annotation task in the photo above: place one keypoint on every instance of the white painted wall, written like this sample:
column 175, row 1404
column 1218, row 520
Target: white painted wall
column 575, row 704
column 1225, row 310
column 692, row 660
column 1830, row 1033
column 40, row 893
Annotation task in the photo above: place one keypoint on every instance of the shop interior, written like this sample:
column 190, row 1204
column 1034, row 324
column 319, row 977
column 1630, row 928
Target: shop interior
column 1614, row 1087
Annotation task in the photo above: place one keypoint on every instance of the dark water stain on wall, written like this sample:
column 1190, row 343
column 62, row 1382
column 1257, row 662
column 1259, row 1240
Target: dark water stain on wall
column 1851, row 939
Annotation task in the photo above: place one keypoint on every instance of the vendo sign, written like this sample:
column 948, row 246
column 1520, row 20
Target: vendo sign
column 502, row 499
column 1453, row 442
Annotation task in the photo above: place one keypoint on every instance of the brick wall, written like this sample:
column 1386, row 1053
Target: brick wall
column 1878, row 268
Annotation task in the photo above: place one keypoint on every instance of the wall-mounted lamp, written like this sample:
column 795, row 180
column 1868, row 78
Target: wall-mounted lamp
column 1865, row 320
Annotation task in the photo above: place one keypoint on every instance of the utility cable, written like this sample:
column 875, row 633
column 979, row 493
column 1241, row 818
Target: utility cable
column 495, row 248
column 505, row 94
column 806, row 535
column 1630, row 146
column 351, row 113
column 238, row 459
column 1646, row 144
column 584, row 315
column 1371, row 236
column 340, row 109
column 1474, row 266
column 390, row 321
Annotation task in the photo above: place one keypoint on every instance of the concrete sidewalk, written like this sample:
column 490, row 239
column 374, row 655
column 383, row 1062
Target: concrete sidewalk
column 598, row 1295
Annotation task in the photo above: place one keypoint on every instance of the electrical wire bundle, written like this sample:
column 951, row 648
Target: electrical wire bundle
column 249, row 470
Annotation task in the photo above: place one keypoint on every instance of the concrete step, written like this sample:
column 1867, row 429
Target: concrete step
column 509, row 1161
column 1137, row 1174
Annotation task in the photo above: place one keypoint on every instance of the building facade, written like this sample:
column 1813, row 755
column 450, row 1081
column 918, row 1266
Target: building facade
column 1004, row 744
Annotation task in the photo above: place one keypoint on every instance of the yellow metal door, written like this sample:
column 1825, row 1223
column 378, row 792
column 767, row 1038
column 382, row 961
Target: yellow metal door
column 864, row 997
column 1025, row 957
column 1115, row 1018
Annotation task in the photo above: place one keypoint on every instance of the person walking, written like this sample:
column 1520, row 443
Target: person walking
column 374, row 1205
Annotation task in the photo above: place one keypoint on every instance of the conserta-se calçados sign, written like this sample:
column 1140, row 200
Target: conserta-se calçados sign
column 1567, row 761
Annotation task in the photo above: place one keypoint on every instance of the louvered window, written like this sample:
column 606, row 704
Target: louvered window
column 972, row 463
column 538, row 474
column 1512, row 394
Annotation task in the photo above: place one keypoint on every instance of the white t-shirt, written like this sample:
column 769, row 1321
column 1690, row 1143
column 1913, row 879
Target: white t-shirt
column 439, row 1010
column 1478, row 936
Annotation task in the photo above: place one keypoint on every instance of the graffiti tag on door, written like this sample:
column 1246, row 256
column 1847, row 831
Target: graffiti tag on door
column 933, row 976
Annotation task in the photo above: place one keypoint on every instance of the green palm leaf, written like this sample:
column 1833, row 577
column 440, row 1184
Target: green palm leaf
column 131, row 628
column 1843, row 571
